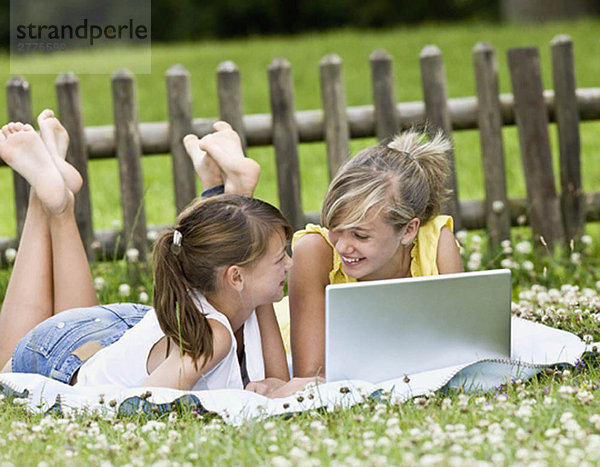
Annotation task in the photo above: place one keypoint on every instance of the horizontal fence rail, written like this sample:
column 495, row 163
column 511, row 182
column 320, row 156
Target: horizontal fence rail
column 555, row 212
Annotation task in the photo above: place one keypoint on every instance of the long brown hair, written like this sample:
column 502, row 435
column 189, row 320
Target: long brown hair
column 404, row 179
column 219, row 231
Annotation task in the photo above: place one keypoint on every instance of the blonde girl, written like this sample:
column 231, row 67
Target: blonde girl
column 380, row 220
column 224, row 258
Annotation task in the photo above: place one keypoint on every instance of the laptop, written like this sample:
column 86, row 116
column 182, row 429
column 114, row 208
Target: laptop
column 381, row 330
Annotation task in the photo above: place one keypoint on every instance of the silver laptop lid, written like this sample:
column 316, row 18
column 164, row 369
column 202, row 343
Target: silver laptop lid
column 381, row 330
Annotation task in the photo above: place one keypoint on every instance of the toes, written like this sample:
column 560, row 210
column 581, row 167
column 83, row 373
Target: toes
column 45, row 114
column 27, row 127
column 222, row 126
column 189, row 140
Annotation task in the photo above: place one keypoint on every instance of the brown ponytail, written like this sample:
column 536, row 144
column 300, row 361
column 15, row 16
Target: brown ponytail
column 219, row 231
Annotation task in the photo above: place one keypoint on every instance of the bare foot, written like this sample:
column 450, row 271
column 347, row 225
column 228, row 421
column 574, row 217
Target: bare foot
column 206, row 168
column 23, row 150
column 240, row 173
column 56, row 139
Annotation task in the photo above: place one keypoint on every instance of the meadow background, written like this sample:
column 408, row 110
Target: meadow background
column 550, row 420
column 253, row 56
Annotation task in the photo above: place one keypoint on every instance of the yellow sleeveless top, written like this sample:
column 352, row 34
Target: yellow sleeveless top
column 423, row 262
column 423, row 253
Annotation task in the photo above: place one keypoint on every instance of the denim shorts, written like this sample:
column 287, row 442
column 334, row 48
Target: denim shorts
column 56, row 347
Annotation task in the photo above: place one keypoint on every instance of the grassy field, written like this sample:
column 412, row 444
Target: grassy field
column 551, row 420
column 304, row 52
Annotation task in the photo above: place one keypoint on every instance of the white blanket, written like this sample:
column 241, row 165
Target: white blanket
column 534, row 347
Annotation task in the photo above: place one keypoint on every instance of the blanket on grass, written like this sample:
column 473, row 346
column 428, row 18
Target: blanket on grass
column 534, row 348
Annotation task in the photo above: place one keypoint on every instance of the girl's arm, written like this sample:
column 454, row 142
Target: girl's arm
column 179, row 372
column 272, row 344
column 448, row 255
column 308, row 278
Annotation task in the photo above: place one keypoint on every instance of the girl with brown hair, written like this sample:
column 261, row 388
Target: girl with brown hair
column 214, row 270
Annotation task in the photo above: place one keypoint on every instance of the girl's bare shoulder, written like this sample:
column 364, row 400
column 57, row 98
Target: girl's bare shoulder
column 313, row 254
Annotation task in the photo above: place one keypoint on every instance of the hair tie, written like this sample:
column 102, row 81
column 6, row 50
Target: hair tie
column 394, row 144
column 177, row 237
column 410, row 155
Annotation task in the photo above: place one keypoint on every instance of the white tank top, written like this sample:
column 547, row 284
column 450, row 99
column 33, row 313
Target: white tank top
column 124, row 363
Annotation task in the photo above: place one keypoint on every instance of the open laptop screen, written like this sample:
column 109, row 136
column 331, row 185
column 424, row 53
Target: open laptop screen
column 381, row 330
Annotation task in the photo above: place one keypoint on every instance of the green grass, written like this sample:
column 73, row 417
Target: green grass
column 553, row 419
column 304, row 52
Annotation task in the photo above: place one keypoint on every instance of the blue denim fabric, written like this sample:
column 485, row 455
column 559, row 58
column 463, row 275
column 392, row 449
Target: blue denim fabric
column 47, row 348
column 215, row 190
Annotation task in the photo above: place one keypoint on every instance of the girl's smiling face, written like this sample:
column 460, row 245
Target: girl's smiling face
column 265, row 279
column 373, row 249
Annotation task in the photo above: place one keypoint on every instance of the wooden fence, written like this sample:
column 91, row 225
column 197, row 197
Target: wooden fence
column 553, row 217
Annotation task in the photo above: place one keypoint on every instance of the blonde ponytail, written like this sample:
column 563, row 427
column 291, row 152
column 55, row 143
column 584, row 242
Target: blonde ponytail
column 404, row 179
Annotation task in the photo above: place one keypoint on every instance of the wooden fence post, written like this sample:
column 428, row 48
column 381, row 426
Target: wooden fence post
column 179, row 96
column 229, row 89
column 567, row 119
column 333, row 96
column 18, row 101
column 129, row 152
column 435, row 95
column 492, row 149
column 384, row 95
column 71, row 116
column 285, row 140
column 532, row 124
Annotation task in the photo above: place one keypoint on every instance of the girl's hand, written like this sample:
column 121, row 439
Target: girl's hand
column 295, row 385
column 266, row 386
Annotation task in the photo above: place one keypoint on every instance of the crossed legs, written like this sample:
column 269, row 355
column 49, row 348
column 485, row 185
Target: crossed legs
column 51, row 272
column 219, row 159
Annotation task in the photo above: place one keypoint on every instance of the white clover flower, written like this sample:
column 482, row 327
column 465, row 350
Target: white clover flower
column 124, row 290
column 143, row 298
column 506, row 263
column 163, row 450
column 99, row 283
column 566, row 390
column 576, row 258
column 585, row 397
column 476, row 240
column 270, row 425
column 132, row 255
column 474, row 260
column 10, row 254
column 524, row 411
column 549, row 400
column 297, row 453
column 498, row 206
column 461, row 236
column 586, row 239
column 522, row 219
column 523, row 247
column 383, row 442
column 152, row 235
column 595, row 420
column 527, row 265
